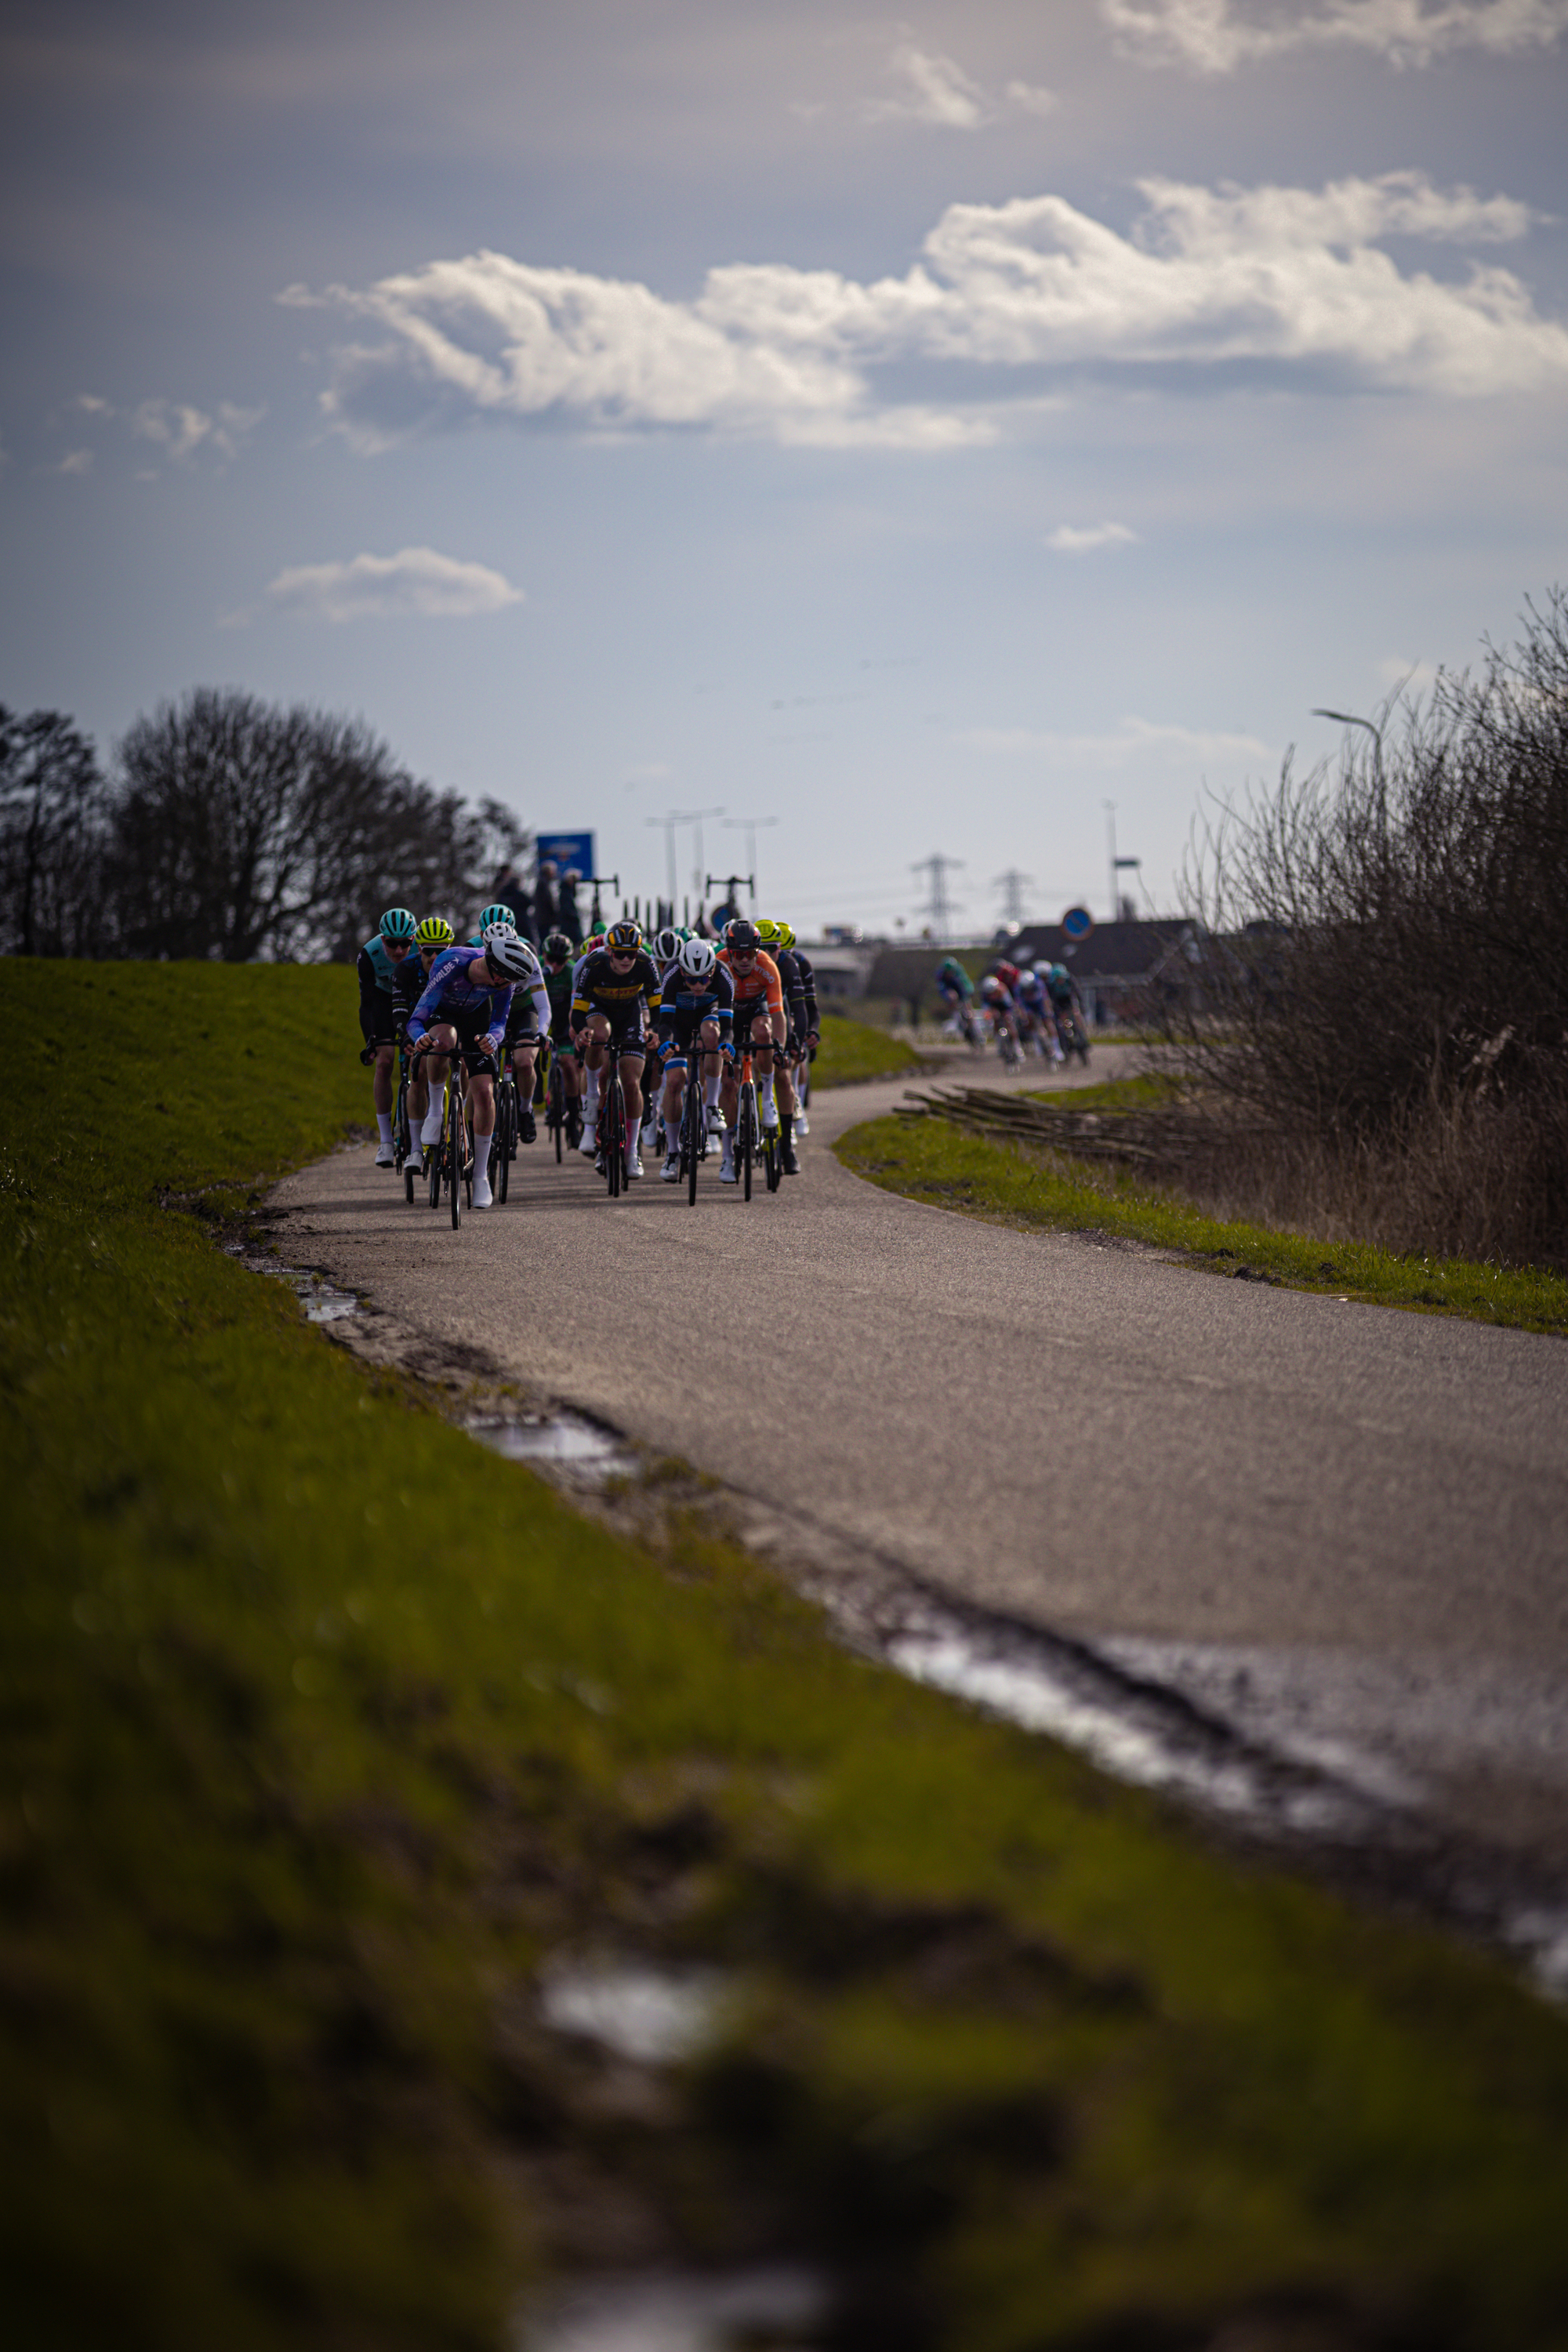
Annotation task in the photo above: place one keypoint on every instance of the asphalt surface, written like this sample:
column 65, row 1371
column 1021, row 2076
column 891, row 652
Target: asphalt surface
column 1343, row 1528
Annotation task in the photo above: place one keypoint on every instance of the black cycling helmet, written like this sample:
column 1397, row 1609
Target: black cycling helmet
column 624, row 938
column 557, row 946
column 742, row 935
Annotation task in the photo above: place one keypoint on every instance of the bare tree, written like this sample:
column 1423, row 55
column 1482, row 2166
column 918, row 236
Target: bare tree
column 51, row 839
column 241, row 830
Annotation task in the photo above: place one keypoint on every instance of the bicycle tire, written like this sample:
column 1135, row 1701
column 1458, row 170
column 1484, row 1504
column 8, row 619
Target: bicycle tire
column 437, row 1151
column 558, row 1108
column 501, row 1146
column 408, row 1167
column 613, row 1110
column 454, row 1136
column 691, row 1125
column 773, row 1158
column 401, row 1140
column 745, row 1133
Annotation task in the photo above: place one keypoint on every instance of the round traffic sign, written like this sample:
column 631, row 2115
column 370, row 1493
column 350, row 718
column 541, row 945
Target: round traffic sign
column 1076, row 924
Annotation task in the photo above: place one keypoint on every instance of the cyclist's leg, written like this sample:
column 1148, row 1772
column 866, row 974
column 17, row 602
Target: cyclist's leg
column 436, row 1065
column 522, row 1053
column 482, row 1101
column 593, row 1038
column 630, row 1059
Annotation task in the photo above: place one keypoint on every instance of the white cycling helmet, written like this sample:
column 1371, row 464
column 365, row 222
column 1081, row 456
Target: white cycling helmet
column 505, row 952
column 696, row 959
column 667, row 944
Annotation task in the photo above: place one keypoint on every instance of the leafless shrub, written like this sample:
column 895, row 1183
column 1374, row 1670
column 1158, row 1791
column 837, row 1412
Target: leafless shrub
column 51, row 838
column 1379, row 1007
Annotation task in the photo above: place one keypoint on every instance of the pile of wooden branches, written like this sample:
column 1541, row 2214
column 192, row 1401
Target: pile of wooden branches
column 1162, row 1137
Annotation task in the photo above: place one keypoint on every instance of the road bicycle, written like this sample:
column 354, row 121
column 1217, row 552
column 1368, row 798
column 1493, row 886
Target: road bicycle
column 693, row 1124
column 612, row 1128
column 452, row 1160
column 563, row 1112
column 403, row 1147
column 503, row 1144
column 755, row 1141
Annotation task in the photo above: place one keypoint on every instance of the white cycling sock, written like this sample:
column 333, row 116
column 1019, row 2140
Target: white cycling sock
column 592, row 1109
column 710, row 1092
column 431, row 1130
column 766, row 1091
column 672, row 1135
column 384, row 1123
column 482, row 1155
column 727, row 1150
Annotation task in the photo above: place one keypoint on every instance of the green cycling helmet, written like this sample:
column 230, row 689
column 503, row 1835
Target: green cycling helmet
column 497, row 914
column 434, row 931
column 398, row 923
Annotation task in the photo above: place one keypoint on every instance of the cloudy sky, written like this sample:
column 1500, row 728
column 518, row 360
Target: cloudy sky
column 910, row 433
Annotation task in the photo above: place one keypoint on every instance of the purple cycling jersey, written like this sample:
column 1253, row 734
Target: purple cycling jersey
column 451, row 995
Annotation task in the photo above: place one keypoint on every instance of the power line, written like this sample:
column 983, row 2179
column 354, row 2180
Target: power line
column 1013, row 885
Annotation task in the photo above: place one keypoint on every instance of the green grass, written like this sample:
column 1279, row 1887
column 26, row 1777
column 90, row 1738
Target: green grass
column 931, row 1159
column 853, row 1051
column 320, row 1728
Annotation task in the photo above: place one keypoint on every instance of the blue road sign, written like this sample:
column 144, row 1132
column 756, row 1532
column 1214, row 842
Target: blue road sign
column 569, row 849
column 1076, row 924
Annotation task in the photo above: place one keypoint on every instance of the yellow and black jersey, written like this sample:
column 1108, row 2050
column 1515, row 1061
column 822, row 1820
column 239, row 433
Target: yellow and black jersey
column 600, row 988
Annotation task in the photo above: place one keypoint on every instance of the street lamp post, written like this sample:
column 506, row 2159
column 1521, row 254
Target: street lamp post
column 749, row 825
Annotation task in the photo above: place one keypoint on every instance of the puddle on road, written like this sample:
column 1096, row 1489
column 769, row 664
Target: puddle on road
column 762, row 2310
column 323, row 1301
column 652, row 2017
column 1127, row 1731
column 577, row 1451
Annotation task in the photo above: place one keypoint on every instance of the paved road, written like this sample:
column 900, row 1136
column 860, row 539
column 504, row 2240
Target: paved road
column 1336, row 1523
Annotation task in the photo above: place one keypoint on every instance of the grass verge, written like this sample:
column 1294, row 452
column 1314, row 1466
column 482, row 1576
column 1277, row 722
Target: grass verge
column 853, row 1051
column 322, row 1732
column 931, row 1159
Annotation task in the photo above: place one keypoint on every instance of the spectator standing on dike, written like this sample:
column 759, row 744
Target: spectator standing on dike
column 566, row 914
column 545, row 909
column 512, row 890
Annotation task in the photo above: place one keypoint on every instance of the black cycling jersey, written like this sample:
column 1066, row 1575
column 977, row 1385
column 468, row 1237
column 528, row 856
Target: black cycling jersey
column 600, row 988
column 808, row 989
column 384, row 988
column 686, row 1004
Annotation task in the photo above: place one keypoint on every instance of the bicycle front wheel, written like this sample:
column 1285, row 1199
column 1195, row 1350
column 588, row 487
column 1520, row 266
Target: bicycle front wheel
column 456, row 1138
column 612, row 1133
column 501, row 1147
column 745, row 1140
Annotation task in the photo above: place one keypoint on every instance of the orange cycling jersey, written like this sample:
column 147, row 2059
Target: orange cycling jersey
column 762, row 979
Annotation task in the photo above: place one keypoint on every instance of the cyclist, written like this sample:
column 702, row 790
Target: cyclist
column 806, row 1043
column 463, row 992
column 558, row 988
column 771, row 937
column 379, row 961
column 496, row 914
column 956, row 988
column 996, row 1000
column 430, row 1070
column 528, row 1020
column 1034, row 1009
column 696, row 1008
column 1066, row 1005
column 758, row 1022
column 613, row 987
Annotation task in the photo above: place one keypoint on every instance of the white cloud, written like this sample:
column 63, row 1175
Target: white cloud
column 90, row 404
column 75, row 461
column 1294, row 280
column 181, row 430
column 1075, row 539
column 1132, row 739
column 931, row 88
column 415, row 582
column 1215, row 36
column 934, row 88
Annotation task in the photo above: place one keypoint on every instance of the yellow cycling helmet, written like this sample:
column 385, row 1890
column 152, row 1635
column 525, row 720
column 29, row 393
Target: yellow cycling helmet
column 434, row 931
column 767, row 931
column 786, row 936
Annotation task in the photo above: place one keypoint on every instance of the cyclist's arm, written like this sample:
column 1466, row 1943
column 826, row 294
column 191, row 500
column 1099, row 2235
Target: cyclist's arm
column 370, row 988
column 808, row 991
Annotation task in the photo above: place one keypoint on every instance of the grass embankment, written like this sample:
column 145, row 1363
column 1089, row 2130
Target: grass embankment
column 931, row 1159
column 852, row 1051
column 322, row 1731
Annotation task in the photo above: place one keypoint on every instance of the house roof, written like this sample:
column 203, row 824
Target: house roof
column 1113, row 951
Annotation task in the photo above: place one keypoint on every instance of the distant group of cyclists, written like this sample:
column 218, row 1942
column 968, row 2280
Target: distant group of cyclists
column 1019, row 1008
column 447, row 1022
